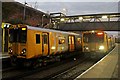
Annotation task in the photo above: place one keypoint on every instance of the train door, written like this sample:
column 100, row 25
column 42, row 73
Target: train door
column 45, row 44
column 71, row 44
column 106, row 42
column 38, row 44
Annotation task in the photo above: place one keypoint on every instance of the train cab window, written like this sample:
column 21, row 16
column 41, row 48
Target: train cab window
column 18, row 35
column 13, row 35
column 23, row 35
column 89, row 38
column 37, row 38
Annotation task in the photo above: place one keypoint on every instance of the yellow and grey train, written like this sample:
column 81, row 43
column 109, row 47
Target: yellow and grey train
column 31, row 44
column 97, row 41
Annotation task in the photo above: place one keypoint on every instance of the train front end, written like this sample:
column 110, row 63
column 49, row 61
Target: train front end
column 18, row 42
column 95, row 42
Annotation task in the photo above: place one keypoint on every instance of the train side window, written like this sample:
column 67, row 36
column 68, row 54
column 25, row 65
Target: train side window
column 45, row 39
column 79, row 40
column 61, row 39
column 72, row 39
column 85, row 39
column 37, row 38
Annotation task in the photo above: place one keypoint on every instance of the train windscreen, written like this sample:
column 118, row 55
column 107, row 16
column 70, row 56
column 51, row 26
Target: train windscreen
column 93, row 37
column 18, row 35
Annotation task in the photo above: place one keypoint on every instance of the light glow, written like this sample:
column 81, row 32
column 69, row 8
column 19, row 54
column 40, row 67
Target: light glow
column 62, row 47
column 23, row 28
column 53, row 47
column 80, row 18
column 100, row 33
column 104, row 17
column 101, row 47
column 62, row 19
column 93, row 31
column 87, row 48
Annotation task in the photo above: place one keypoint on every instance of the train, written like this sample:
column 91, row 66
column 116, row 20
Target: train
column 117, row 39
column 31, row 45
column 96, row 41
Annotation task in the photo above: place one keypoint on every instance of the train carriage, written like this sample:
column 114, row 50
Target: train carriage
column 96, row 43
column 111, row 41
column 29, row 42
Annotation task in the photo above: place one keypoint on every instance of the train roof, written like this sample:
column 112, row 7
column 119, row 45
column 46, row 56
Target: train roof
column 50, row 30
column 94, row 31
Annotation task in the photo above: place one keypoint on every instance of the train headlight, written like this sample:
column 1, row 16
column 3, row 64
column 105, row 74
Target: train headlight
column 23, row 51
column 86, row 48
column 101, row 47
column 10, row 50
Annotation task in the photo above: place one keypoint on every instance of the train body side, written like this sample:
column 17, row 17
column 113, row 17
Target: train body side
column 44, row 42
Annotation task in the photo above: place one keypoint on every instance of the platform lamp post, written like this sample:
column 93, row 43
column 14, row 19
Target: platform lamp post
column 4, row 26
column 24, row 14
column 43, row 20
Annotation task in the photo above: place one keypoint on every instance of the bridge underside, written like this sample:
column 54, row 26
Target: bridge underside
column 79, row 26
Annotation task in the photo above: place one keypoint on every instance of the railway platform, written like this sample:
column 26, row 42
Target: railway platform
column 4, row 60
column 106, row 68
column 4, row 55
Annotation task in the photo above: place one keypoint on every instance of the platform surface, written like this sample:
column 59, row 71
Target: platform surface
column 4, row 55
column 107, row 67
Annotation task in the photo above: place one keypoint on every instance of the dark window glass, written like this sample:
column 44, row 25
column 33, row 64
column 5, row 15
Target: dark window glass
column 23, row 36
column 79, row 40
column 13, row 35
column 17, row 35
column 45, row 39
column 93, row 37
column 37, row 38
column 61, row 41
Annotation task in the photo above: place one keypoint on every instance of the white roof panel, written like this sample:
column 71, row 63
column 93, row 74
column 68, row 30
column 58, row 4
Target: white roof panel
column 50, row 30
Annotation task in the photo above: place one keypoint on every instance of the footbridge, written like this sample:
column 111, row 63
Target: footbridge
column 103, row 21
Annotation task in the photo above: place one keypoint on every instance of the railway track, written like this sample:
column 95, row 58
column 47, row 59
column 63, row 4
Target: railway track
column 75, row 71
column 6, row 63
column 8, row 69
column 22, row 72
column 68, row 68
